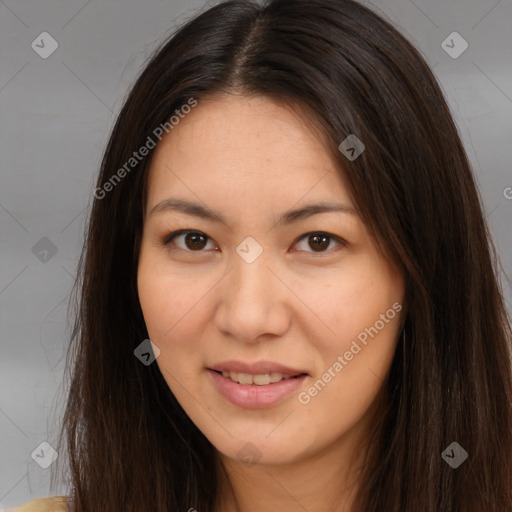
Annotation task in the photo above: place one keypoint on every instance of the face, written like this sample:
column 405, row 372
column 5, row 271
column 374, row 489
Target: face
column 275, row 330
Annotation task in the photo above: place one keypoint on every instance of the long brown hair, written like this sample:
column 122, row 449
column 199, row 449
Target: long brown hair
column 131, row 446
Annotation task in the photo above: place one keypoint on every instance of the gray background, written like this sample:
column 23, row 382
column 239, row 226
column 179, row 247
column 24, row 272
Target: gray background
column 56, row 115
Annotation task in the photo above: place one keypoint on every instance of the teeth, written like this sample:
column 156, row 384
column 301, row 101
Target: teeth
column 243, row 378
column 259, row 380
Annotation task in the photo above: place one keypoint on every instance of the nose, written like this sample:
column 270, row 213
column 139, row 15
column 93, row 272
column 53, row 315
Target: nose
column 254, row 302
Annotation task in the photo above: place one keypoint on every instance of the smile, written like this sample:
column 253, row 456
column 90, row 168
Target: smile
column 255, row 391
column 259, row 380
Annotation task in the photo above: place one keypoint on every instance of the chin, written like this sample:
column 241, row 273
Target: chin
column 260, row 450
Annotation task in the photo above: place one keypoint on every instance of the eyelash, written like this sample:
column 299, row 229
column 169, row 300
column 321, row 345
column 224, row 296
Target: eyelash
column 171, row 236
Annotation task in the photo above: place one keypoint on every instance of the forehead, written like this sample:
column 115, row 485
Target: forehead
column 233, row 144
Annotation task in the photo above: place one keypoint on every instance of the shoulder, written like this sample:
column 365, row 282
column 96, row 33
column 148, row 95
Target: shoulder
column 50, row 504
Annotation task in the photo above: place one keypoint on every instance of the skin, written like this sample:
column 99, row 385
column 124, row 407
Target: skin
column 252, row 159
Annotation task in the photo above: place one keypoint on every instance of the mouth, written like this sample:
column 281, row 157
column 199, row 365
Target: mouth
column 258, row 390
column 261, row 373
column 262, row 379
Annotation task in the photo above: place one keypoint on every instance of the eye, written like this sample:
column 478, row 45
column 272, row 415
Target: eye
column 320, row 241
column 195, row 241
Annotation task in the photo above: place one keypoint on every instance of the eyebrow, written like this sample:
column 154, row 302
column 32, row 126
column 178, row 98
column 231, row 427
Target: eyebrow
column 204, row 212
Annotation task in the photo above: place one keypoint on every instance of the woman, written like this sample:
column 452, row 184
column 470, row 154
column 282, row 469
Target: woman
column 289, row 295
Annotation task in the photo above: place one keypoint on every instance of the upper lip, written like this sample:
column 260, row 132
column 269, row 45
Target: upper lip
column 257, row 368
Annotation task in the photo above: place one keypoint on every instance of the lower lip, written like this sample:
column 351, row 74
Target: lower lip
column 252, row 396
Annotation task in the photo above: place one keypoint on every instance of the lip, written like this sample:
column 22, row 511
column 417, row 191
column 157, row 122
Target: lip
column 259, row 368
column 252, row 396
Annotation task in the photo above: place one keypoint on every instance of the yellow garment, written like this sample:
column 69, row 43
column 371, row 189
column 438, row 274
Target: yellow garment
column 50, row 504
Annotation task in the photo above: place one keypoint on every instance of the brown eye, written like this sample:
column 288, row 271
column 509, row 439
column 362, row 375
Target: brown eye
column 195, row 241
column 192, row 241
column 319, row 242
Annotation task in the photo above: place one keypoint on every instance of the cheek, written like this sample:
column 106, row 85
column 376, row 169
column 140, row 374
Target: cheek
column 158, row 307
column 170, row 301
column 353, row 302
column 352, row 374
column 165, row 304
column 363, row 312
column 176, row 308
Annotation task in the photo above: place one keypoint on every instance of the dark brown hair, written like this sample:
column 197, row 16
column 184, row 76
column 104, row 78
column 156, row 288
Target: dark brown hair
column 131, row 446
